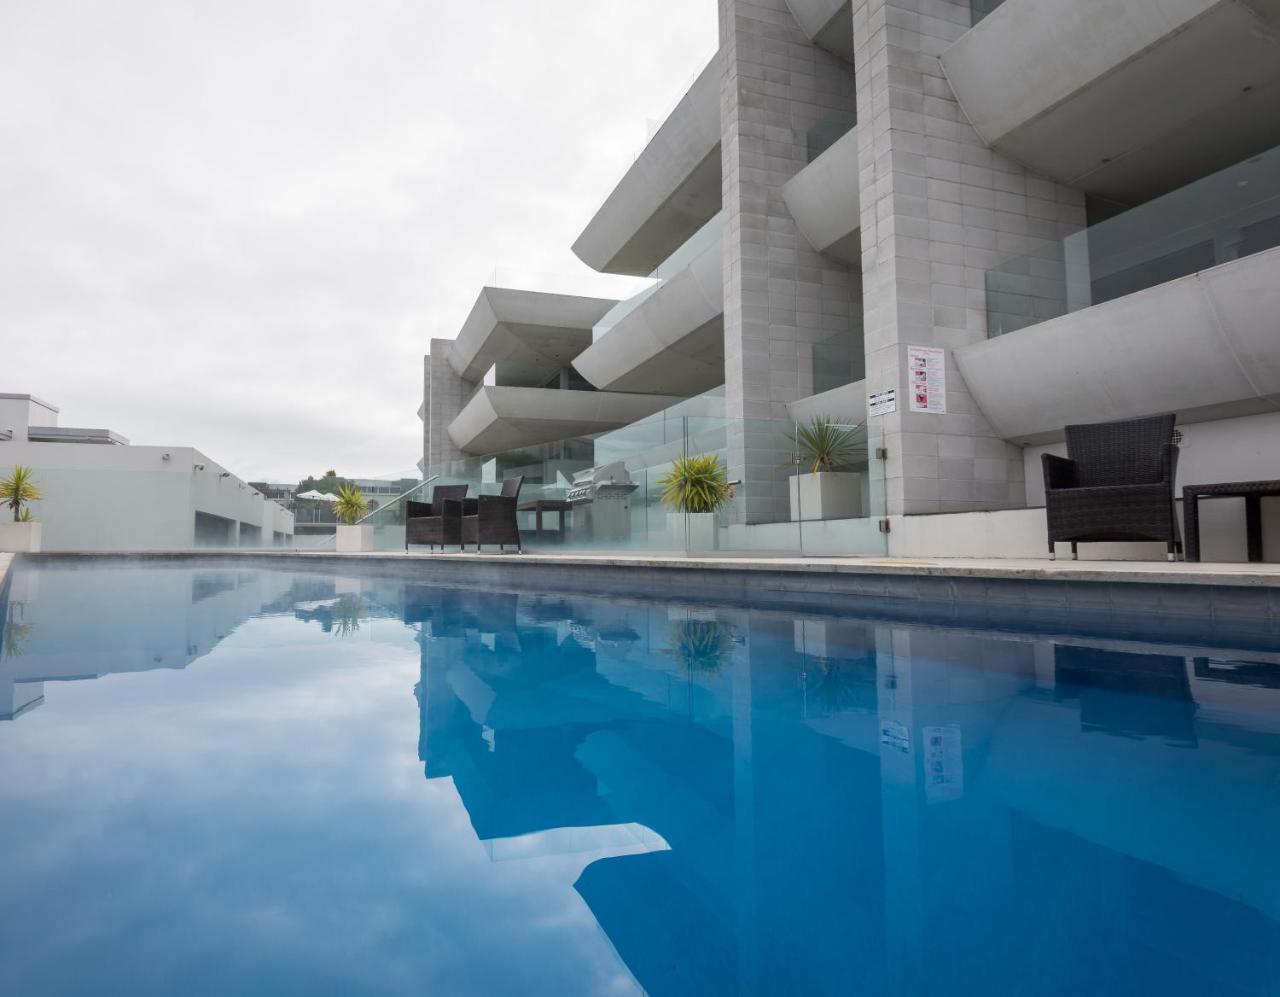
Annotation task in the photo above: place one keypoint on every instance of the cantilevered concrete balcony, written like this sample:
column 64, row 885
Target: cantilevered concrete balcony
column 670, row 192
column 827, row 23
column 1204, row 346
column 824, row 200
column 504, row 418
column 527, row 335
column 1123, row 99
column 672, row 341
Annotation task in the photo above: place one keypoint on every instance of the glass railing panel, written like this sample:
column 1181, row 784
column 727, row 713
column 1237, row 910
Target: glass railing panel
column 1222, row 217
column 829, row 130
column 838, row 361
column 981, row 8
column 690, row 250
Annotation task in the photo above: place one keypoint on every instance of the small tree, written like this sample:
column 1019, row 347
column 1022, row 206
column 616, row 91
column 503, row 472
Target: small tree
column 17, row 490
column 351, row 505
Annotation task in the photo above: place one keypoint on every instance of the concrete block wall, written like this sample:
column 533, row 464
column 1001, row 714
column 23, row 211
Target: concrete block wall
column 939, row 209
column 426, row 412
column 445, row 399
column 781, row 296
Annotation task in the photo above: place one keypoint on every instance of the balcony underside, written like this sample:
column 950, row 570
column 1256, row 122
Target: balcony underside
column 504, row 418
column 1205, row 347
column 1124, row 100
column 824, row 200
column 531, row 335
column 826, row 23
column 670, row 192
column 673, row 342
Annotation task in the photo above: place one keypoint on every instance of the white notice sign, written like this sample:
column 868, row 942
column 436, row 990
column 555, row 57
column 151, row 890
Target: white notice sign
column 882, row 402
column 927, row 379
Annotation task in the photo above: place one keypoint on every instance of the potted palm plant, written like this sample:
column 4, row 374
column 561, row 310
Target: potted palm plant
column 17, row 491
column 827, row 489
column 350, row 508
column 695, row 489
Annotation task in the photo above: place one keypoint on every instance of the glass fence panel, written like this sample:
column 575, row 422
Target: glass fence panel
column 981, row 8
column 1223, row 217
column 829, row 130
column 700, row 242
column 837, row 361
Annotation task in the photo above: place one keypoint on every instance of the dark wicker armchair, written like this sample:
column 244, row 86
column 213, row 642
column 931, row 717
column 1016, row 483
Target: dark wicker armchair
column 491, row 519
column 1115, row 484
column 437, row 522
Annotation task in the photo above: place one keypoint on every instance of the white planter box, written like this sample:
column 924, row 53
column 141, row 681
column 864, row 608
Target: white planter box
column 354, row 539
column 703, row 530
column 826, row 495
column 19, row 538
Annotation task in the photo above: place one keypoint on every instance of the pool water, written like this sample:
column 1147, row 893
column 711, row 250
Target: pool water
column 222, row 780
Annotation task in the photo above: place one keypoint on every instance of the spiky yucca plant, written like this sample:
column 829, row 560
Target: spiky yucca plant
column 825, row 445
column 17, row 490
column 351, row 505
column 696, row 484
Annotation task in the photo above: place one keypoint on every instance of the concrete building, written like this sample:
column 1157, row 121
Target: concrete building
column 100, row 493
column 998, row 217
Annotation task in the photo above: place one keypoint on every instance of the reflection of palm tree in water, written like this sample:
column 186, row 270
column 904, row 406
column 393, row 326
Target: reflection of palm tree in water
column 346, row 614
column 832, row 684
column 16, row 633
column 701, row 646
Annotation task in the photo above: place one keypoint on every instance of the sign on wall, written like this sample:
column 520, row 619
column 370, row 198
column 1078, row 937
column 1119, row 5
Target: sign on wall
column 927, row 379
column 882, row 402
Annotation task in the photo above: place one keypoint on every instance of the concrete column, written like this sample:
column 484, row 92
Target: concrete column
column 448, row 394
column 426, row 413
column 781, row 296
column 939, row 209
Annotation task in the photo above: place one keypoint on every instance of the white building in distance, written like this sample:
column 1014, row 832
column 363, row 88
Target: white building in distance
column 99, row 493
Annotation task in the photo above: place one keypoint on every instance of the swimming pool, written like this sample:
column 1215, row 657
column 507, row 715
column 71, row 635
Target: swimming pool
column 252, row 780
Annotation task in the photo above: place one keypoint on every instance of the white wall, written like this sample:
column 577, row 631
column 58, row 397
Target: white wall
column 100, row 497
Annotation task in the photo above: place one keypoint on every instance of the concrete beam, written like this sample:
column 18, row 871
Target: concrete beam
column 671, row 190
column 1204, row 346
column 672, row 343
column 530, row 333
column 497, row 419
column 1125, row 99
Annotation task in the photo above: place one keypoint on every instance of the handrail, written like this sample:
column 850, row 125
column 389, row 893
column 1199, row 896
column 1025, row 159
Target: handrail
column 420, row 484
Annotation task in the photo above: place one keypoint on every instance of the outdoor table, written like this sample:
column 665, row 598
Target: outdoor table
column 539, row 506
column 1251, row 491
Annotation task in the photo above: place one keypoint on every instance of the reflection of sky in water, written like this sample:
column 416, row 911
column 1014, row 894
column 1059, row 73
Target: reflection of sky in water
column 618, row 795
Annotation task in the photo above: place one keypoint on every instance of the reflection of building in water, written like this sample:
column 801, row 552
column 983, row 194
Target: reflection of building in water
column 867, row 806
column 47, row 629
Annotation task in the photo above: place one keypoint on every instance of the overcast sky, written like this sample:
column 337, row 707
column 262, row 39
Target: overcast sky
column 234, row 224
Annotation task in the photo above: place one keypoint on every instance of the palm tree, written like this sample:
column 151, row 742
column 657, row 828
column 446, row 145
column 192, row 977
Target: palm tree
column 696, row 484
column 17, row 490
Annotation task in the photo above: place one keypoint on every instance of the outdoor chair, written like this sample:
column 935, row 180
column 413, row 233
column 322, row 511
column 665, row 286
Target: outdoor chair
column 436, row 522
column 491, row 519
column 1115, row 484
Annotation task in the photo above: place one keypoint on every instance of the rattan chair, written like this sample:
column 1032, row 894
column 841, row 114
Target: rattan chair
column 1115, row 484
column 436, row 522
column 491, row 519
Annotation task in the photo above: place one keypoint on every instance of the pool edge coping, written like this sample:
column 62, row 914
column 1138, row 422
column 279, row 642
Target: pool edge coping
column 1154, row 573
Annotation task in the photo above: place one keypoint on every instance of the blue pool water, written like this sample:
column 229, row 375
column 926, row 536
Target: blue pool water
column 229, row 781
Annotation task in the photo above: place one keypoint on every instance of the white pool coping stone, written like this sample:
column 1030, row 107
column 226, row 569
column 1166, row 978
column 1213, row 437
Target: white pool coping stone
column 1154, row 572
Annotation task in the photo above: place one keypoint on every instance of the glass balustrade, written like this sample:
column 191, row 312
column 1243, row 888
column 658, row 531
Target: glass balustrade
column 837, row 361
column 1223, row 217
column 828, row 131
column 981, row 8
column 690, row 250
column 606, row 493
